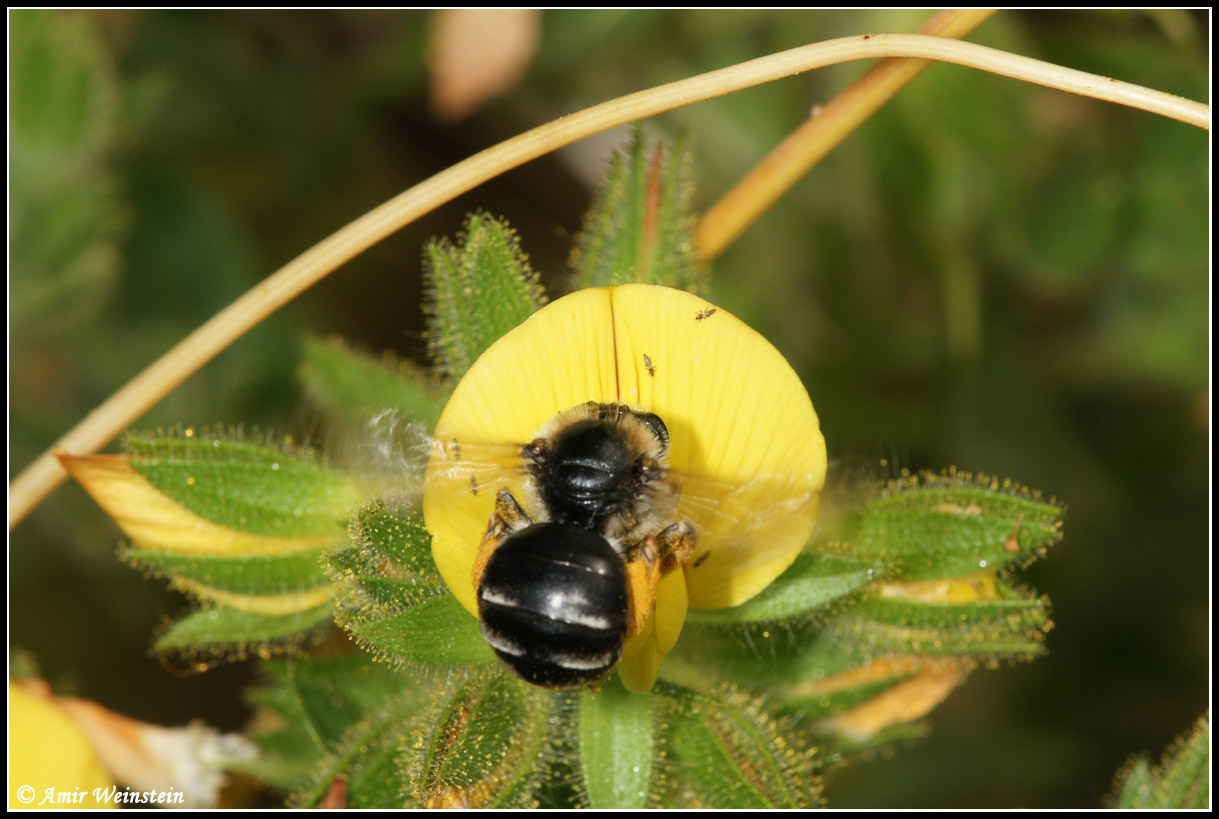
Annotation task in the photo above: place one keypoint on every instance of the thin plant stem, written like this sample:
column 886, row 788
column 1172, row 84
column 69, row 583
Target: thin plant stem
column 134, row 399
column 829, row 124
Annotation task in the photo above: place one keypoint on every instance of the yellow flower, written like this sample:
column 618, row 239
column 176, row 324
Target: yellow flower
column 51, row 763
column 71, row 752
column 744, row 440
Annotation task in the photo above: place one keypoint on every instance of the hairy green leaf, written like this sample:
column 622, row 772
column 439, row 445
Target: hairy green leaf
column 724, row 750
column 1182, row 779
column 923, row 552
column 255, row 575
column 435, row 632
column 640, row 227
column 940, row 526
column 402, row 538
column 812, row 581
column 239, row 633
column 250, row 487
column 805, row 674
column 477, row 291
column 863, row 650
column 480, row 743
column 354, row 387
column 760, row 656
column 617, row 746
column 1013, row 626
column 392, row 600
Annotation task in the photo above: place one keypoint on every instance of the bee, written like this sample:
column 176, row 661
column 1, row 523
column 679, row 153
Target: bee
column 561, row 588
column 629, row 463
column 558, row 598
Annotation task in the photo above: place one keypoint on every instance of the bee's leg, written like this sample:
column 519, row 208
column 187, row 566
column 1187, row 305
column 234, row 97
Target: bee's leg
column 642, row 576
column 507, row 518
column 509, row 513
column 676, row 544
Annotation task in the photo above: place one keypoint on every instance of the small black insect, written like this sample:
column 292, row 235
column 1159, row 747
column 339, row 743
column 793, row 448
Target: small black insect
column 705, row 314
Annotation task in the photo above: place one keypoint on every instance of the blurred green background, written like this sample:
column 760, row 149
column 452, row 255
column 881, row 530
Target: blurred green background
column 987, row 274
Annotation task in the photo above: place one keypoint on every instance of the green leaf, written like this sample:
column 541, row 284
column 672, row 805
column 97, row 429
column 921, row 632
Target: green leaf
column 865, row 647
column 476, row 292
column 67, row 209
column 435, row 632
column 777, row 659
column 320, row 703
column 256, row 575
column 370, row 590
column 639, row 230
column 812, row 581
column 261, row 489
column 942, row 526
column 354, row 387
column 366, row 761
column 481, row 743
column 617, row 746
column 724, row 750
column 240, row 632
column 1013, row 626
column 861, row 651
column 1182, row 780
column 402, row 740
column 808, row 676
column 392, row 599
column 402, row 538
column 265, row 595
column 64, row 94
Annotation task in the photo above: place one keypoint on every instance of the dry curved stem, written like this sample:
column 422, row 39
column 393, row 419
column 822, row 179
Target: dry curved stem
column 142, row 392
column 828, row 125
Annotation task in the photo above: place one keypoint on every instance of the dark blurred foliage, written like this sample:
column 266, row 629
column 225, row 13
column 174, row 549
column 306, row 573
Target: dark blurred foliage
column 987, row 274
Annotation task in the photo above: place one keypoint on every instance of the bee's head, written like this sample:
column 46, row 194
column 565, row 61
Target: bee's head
column 591, row 467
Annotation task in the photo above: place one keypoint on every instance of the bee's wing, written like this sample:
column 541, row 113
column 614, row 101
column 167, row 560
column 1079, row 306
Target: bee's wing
column 476, row 468
column 396, row 455
column 463, row 478
column 747, row 532
column 388, row 456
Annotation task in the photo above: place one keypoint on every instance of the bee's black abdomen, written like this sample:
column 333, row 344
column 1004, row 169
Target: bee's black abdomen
column 552, row 604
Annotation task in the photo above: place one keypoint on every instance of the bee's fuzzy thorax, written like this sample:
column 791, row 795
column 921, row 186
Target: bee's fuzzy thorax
column 640, row 437
column 645, row 439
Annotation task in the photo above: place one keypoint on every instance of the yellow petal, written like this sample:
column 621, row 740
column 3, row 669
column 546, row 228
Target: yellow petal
column 744, row 436
column 154, row 521
column 742, row 428
column 49, row 754
column 274, row 605
column 559, row 358
column 642, row 656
